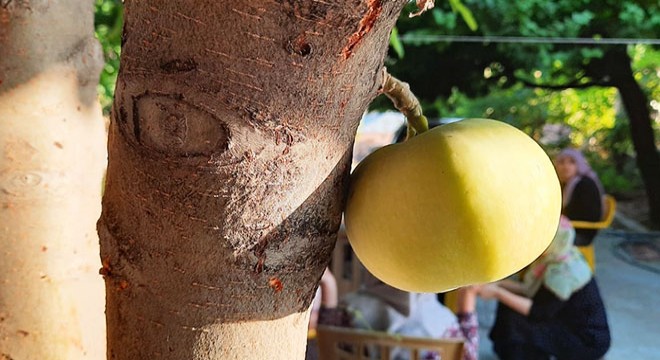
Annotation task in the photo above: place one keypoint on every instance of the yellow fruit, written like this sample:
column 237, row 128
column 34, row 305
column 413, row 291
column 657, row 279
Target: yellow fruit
column 469, row 202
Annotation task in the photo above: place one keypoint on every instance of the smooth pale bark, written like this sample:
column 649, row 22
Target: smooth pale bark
column 52, row 159
column 229, row 151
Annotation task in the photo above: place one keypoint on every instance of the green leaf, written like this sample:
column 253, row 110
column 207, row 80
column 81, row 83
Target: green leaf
column 457, row 6
column 396, row 44
column 583, row 17
column 592, row 53
column 446, row 20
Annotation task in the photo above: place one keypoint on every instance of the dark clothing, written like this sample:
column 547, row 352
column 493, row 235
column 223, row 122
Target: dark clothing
column 585, row 204
column 573, row 329
column 330, row 317
column 337, row 316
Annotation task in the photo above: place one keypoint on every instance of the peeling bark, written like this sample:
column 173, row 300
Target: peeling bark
column 229, row 151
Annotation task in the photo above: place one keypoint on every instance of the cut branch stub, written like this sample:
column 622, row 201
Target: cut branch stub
column 423, row 6
column 406, row 102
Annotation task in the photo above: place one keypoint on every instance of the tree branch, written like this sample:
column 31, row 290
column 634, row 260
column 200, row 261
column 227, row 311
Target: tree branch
column 406, row 102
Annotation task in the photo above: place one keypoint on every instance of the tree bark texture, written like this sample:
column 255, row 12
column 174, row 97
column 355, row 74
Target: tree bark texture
column 52, row 159
column 229, row 151
column 617, row 64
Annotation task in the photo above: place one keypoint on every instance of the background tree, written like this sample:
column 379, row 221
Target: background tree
column 229, row 149
column 473, row 68
column 52, row 158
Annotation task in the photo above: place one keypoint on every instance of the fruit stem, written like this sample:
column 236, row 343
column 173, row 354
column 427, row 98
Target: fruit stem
column 406, row 102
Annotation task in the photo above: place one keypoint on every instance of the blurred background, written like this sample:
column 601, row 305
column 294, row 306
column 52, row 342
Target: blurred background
column 568, row 73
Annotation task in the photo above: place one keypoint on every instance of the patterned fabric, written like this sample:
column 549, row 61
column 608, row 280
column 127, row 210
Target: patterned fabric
column 428, row 318
column 567, row 318
column 468, row 330
column 561, row 269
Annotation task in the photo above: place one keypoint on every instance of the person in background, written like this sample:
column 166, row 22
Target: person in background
column 324, row 306
column 556, row 311
column 582, row 192
column 324, row 311
column 380, row 307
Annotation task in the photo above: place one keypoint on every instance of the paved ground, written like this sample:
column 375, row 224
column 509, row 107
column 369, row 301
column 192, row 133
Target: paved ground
column 631, row 291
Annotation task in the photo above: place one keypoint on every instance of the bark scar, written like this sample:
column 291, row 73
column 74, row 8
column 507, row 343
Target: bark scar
column 275, row 284
column 105, row 268
column 366, row 24
column 179, row 66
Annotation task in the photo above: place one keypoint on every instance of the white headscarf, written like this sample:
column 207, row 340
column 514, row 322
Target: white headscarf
column 561, row 269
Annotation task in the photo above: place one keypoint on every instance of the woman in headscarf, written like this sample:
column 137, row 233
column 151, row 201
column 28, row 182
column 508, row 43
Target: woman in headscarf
column 556, row 311
column 582, row 192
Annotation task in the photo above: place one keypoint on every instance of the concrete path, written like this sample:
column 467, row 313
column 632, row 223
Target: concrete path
column 631, row 296
column 632, row 299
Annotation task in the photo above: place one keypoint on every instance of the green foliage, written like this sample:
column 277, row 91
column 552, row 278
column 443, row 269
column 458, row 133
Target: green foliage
column 481, row 80
column 587, row 115
column 458, row 7
column 615, row 182
column 533, row 18
column 455, row 79
column 395, row 43
column 646, row 67
column 440, row 18
column 108, row 21
column 583, row 19
column 612, row 157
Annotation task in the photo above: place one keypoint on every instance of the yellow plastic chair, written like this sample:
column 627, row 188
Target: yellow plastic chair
column 451, row 300
column 609, row 204
column 336, row 343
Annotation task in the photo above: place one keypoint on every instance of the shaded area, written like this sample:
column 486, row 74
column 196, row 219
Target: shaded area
column 641, row 250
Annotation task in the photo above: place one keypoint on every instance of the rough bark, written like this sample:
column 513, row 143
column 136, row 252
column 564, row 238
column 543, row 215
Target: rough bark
column 617, row 62
column 52, row 158
column 229, row 150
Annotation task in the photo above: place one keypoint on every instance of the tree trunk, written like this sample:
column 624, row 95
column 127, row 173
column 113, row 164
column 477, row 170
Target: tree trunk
column 641, row 129
column 52, row 158
column 229, row 150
